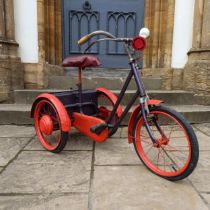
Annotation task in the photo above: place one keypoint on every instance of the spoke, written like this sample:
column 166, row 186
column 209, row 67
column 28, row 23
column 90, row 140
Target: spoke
column 145, row 136
column 158, row 157
column 44, row 109
column 177, row 137
column 171, row 131
column 155, row 156
column 148, row 151
column 54, row 118
column 146, row 142
column 164, row 161
column 176, row 150
column 174, row 163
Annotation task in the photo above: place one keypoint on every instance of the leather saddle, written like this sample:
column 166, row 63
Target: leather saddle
column 81, row 61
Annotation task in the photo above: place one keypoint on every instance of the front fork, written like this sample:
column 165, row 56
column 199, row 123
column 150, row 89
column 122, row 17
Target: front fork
column 143, row 99
column 145, row 112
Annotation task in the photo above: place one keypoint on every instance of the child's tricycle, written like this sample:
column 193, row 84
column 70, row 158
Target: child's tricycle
column 164, row 141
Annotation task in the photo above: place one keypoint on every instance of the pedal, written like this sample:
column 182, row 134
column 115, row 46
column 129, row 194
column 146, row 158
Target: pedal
column 97, row 129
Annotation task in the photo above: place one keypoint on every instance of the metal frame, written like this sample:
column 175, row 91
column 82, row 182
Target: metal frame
column 139, row 93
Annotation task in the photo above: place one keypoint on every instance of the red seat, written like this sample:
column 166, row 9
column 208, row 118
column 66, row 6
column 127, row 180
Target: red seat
column 81, row 61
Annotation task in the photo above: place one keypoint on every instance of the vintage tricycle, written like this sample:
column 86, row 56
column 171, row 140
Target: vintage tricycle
column 164, row 141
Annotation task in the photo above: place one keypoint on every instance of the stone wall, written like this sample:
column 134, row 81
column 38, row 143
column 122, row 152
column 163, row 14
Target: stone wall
column 50, row 45
column 31, row 78
column 159, row 18
column 197, row 71
column 11, row 69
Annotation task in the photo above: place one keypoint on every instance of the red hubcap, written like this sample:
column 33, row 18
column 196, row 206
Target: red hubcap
column 161, row 141
column 46, row 125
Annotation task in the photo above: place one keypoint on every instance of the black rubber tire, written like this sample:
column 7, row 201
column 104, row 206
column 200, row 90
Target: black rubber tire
column 62, row 144
column 192, row 138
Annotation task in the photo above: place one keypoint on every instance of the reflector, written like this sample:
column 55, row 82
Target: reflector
column 139, row 43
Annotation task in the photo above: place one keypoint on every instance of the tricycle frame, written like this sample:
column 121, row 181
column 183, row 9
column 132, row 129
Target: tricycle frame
column 139, row 93
column 55, row 113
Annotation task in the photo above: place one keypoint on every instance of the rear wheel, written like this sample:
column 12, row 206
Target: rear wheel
column 105, row 107
column 48, row 127
column 175, row 155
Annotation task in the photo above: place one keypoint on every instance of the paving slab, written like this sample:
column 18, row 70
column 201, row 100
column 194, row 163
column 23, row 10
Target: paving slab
column 124, row 133
column 9, row 147
column 45, row 172
column 134, row 188
column 115, row 152
column 200, row 177
column 118, row 133
column 44, row 202
column 203, row 140
column 206, row 197
column 205, row 127
column 16, row 131
column 76, row 141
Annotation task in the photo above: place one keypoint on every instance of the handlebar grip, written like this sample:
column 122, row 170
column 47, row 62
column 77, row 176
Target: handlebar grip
column 83, row 40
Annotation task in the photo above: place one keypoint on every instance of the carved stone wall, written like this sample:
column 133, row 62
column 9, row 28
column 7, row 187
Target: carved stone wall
column 197, row 70
column 159, row 18
column 53, row 36
column 11, row 69
column 50, row 45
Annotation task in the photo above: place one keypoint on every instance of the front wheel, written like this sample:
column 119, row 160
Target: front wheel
column 175, row 154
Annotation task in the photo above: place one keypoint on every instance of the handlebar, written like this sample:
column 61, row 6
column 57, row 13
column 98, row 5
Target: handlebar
column 144, row 32
column 138, row 43
column 87, row 37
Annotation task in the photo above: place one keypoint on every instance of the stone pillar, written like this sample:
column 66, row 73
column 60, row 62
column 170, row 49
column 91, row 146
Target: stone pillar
column 159, row 18
column 50, row 41
column 11, row 70
column 4, row 61
column 197, row 70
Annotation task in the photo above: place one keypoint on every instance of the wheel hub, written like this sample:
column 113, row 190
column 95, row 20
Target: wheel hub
column 46, row 125
column 161, row 141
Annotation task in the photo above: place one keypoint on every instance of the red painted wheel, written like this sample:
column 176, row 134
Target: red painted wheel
column 48, row 127
column 175, row 155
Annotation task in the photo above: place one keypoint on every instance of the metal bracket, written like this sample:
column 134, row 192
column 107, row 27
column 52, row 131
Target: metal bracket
column 144, row 100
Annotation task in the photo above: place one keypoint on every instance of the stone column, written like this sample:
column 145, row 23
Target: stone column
column 197, row 70
column 159, row 18
column 50, row 44
column 4, row 61
column 11, row 70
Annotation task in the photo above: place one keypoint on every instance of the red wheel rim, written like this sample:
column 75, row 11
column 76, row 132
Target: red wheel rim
column 105, row 110
column 47, row 125
column 170, row 159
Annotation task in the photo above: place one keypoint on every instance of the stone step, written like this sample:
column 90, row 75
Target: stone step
column 19, row 114
column 176, row 97
column 92, row 82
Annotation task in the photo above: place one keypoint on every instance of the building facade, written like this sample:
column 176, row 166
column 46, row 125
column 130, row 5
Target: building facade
column 32, row 34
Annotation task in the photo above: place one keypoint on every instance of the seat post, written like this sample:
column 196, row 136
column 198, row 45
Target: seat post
column 79, row 85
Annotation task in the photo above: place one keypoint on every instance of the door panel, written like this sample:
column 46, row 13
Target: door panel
column 122, row 18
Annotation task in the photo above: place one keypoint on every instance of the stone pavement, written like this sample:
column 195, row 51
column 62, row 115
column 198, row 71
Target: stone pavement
column 89, row 176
